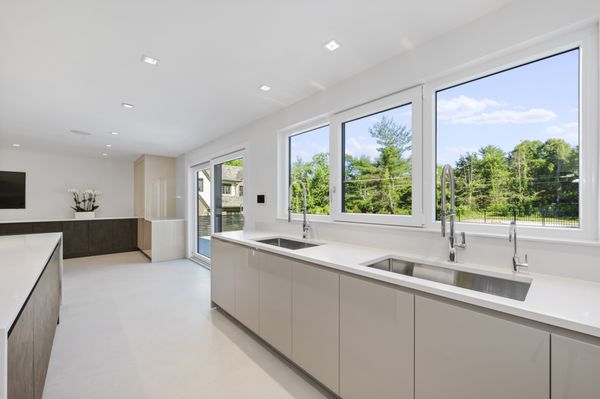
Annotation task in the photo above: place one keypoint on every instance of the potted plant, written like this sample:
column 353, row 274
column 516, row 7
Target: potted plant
column 85, row 202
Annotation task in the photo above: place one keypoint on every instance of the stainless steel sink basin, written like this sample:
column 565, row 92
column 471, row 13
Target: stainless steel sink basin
column 472, row 281
column 287, row 243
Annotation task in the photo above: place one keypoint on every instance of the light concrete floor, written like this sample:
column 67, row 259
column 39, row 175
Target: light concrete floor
column 133, row 329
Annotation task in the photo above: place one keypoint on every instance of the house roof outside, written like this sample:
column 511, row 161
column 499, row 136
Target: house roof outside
column 232, row 173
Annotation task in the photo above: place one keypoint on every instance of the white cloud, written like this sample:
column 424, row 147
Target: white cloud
column 357, row 146
column 462, row 106
column 470, row 111
column 532, row 115
column 567, row 131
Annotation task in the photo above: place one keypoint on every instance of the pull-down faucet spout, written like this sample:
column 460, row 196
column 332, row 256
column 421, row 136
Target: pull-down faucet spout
column 305, row 224
column 447, row 170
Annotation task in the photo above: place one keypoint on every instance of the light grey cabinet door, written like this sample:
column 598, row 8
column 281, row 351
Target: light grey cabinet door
column 376, row 340
column 575, row 369
column 225, row 257
column 247, row 276
column 464, row 354
column 276, row 302
column 315, row 325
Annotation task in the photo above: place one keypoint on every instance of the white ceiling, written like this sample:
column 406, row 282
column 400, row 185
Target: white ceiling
column 70, row 64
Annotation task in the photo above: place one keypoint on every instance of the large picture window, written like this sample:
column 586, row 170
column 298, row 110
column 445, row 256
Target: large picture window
column 377, row 172
column 378, row 151
column 513, row 139
column 309, row 163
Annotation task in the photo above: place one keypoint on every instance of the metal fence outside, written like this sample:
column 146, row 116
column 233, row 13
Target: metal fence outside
column 567, row 218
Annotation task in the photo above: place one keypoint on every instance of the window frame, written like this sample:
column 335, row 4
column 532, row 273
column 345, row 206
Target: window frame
column 587, row 42
column 413, row 96
column 230, row 192
column 285, row 171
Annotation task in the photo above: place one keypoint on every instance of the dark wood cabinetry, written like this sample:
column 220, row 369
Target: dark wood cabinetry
column 32, row 334
column 47, row 227
column 16, row 228
column 20, row 356
column 100, row 237
column 46, row 306
column 124, row 237
column 84, row 237
column 76, row 239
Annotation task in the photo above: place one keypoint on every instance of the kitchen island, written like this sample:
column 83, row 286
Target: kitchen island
column 30, row 297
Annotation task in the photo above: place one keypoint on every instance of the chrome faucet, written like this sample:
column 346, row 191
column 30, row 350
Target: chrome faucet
column 512, row 236
column 447, row 170
column 305, row 224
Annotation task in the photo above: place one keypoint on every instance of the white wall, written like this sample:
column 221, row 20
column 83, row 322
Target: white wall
column 180, row 187
column 50, row 175
column 506, row 30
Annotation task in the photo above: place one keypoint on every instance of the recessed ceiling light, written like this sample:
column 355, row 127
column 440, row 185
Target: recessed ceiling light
column 104, row 154
column 149, row 60
column 127, row 105
column 16, row 145
column 108, row 145
column 114, row 133
column 265, row 88
column 332, row 45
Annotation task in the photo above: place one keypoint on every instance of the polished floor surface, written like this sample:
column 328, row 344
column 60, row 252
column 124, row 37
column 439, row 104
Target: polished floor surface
column 133, row 329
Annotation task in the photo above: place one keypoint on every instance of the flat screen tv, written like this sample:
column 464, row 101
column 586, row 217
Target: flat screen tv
column 12, row 190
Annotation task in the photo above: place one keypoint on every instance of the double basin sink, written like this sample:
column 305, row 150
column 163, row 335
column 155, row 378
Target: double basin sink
column 513, row 289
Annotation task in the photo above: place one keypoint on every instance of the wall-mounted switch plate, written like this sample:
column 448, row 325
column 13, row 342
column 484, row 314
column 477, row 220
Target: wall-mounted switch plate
column 260, row 199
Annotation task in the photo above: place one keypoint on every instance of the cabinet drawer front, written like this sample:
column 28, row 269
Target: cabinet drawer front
column 276, row 302
column 315, row 326
column 246, row 290
column 376, row 340
column 463, row 354
column 575, row 369
column 223, row 264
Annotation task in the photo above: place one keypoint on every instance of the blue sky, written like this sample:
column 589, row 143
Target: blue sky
column 533, row 102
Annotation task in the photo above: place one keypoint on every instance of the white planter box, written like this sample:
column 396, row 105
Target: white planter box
column 85, row 215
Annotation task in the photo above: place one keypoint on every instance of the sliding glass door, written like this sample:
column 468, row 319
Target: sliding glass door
column 229, row 198
column 203, row 198
column 218, row 201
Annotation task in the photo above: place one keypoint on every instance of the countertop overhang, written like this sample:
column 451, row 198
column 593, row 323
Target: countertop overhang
column 562, row 302
column 22, row 261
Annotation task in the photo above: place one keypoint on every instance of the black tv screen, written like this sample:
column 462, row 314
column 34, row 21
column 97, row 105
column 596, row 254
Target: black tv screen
column 12, row 190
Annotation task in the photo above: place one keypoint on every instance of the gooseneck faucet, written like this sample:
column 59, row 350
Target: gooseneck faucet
column 305, row 224
column 447, row 170
column 512, row 236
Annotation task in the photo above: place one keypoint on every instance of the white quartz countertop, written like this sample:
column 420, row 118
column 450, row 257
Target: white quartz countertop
column 567, row 303
column 68, row 219
column 22, row 260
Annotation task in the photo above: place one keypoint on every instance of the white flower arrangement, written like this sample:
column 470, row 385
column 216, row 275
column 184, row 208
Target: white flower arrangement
column 85, row 200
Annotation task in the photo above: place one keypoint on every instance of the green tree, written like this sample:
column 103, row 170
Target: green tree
column 315, row 175
column 382, row 185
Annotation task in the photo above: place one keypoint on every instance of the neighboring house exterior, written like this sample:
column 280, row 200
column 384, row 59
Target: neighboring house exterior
column 232, row 190
column 204, row 191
